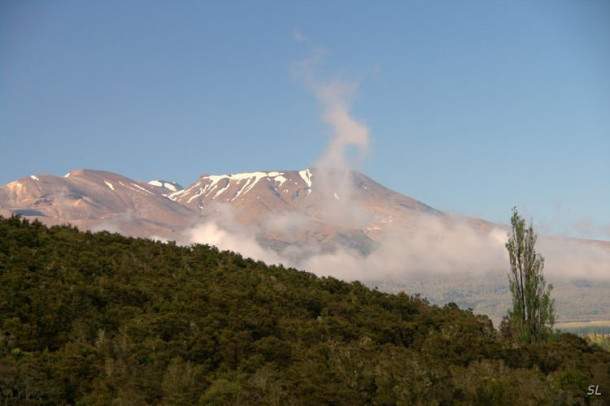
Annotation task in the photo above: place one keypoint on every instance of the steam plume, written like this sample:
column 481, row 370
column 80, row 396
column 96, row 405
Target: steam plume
column 431, row 244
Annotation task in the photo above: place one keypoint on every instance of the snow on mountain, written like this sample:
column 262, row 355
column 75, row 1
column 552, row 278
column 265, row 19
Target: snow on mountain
column 350, row 206
column 95, row 200
column 165, row 187
column 232, row 187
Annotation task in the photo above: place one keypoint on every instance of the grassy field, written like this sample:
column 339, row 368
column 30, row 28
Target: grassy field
column 599, row 327
column 576, row 301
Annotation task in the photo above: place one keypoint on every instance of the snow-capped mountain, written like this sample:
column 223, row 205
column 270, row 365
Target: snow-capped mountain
column 345, row 205
column 335, row 206
column 95, row 199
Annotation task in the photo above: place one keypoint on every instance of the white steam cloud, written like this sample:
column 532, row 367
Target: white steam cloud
column 435, row 245
column 424, row 244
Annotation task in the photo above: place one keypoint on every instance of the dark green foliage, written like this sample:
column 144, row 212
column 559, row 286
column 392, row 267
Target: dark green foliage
column 103, row 319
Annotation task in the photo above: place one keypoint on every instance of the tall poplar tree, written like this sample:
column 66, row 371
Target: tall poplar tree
column 533, row 313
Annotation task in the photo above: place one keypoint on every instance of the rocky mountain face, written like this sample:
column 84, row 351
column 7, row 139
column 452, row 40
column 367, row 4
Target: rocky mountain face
column 311, row 206
column 96, row 200
column 332, row 204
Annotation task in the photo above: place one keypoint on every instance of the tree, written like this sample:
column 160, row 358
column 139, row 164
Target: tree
column 533, row 313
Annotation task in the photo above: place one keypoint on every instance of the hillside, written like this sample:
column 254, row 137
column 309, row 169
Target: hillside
column 98, row 318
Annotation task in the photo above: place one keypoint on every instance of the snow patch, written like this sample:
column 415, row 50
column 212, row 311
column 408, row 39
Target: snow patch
column 244, row 181
column 336, row 197
column 109, row 185
column 183, row 192
column 222, row 190
column 34, row 177
column 306, row 176
column 252, row 181
column 249, row 180
column 214, row 179
column 139, row 188
column 143, row 189
column 196, row 195
column 239, row 192
column 170, row 186
column 164, row 184
column 280, row 178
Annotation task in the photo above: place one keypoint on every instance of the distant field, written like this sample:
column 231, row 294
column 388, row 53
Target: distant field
column 585, row 327
column 576, row 301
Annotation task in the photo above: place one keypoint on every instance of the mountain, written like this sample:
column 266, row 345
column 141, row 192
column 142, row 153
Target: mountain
column 94, row 200
column 335, row 205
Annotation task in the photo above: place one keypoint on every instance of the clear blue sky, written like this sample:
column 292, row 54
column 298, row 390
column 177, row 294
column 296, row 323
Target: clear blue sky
column 473, row 106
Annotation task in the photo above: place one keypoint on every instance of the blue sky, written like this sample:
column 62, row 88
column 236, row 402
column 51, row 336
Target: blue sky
column 473, row 106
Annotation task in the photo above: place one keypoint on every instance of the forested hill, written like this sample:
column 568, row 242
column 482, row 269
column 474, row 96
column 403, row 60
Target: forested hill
column 103, row 319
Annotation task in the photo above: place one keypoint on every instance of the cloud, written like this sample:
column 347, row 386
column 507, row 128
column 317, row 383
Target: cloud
column 335, row 97
column 561, row 222
column 348, row 143
column 347, row 132
column 420, row 245
column 572, row 258
column 436, row 245
column 244, row 243
column 299, row 37
column 118, row 223
column 227, row 234
column 433, row 245
column 588, row 227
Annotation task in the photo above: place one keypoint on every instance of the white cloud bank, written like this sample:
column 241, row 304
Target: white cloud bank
column 430, row 245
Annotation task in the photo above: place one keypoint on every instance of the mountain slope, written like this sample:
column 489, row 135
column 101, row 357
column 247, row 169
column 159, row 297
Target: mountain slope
column 294, row 190
column 320, row 206
column 308, row 206
column 92, row 199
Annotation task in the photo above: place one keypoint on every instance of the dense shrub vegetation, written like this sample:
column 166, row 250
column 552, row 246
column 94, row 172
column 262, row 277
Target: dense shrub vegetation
column 103, row 319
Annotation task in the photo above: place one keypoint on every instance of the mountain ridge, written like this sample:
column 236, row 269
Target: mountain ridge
column 27, row 196
column 87, row 196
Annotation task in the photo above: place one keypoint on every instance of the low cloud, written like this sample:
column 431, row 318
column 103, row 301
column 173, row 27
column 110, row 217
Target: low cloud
column 242, row 242
column 119, row 223
column 425, row 243
column 434, row 246
column 572, row 258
